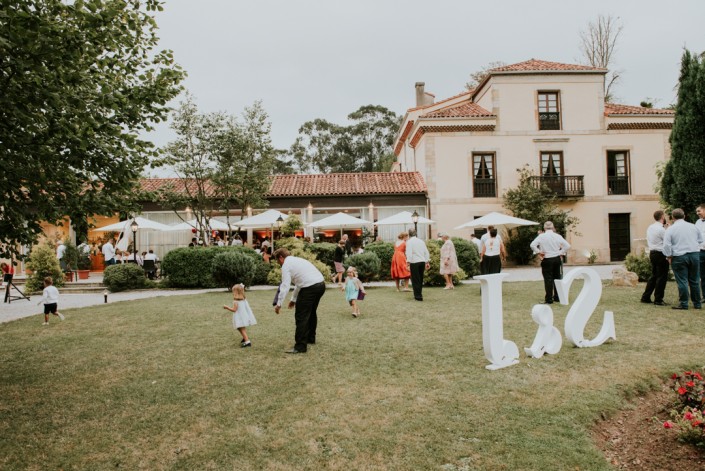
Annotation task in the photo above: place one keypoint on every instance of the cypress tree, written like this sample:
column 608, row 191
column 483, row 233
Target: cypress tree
column 683, row 182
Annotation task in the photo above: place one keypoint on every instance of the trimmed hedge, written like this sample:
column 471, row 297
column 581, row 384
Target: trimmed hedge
column 124, row 276
column 191, row 267
column 324, row 251
column 366, row 263
column 432, row 276
column 385, row 252
column 230, row 268
column 468, row 258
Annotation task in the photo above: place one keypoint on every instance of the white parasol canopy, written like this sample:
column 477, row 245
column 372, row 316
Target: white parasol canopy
column 404, row 217
column 142, row 223
column 263, row 220
column 340, row 221
column 213, row 224
column 497, row 220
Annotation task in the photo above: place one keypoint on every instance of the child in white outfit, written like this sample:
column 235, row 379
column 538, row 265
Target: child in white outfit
column 242, row 314
column 50, row 298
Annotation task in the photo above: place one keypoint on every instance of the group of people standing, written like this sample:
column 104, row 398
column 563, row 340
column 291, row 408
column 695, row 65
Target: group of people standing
column 681, row 246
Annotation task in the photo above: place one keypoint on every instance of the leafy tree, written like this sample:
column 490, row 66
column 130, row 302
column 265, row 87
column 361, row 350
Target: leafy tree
column 598, row 44
column 535, row 203
column 683, row 176
column 291, row 225
column 79, row 82
column 363, row 146
column 478, row 76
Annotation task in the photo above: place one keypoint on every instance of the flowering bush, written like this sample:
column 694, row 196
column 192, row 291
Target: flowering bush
column 687, row 416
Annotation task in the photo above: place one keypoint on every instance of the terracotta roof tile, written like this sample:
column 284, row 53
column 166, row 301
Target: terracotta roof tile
column 535, row 65
column 619, row 126
column 612, row 109
column 402, row 138
column 460, row 128
column 334, row 184
column 466, row 110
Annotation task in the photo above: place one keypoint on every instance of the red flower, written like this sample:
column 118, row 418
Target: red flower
column 688, row 415
column 688, row 373
column 674, row 376
column 695, row 423
column 667, row 424
column 682, row 390
column 690, row 384
column 698, row 376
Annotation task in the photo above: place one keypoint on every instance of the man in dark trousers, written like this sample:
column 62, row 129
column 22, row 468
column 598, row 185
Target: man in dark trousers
column 550, row 246
column 309, row 288
column 417, row 258
column 681, row 246
column 659, row 264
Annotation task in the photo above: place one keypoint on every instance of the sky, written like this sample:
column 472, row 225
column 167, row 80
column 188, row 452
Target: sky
column 309, row 59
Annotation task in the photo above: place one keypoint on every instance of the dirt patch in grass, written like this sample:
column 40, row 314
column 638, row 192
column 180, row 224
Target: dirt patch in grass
column 635, row 438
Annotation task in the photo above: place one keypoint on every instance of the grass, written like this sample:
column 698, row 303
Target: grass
column 162, row 384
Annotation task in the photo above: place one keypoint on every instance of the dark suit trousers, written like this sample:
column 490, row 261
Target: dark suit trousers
column 551, row 270
column 658, row 279
column 306, row 316
column 417, row 270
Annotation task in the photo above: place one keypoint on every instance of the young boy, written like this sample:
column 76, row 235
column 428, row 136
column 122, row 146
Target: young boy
column 50, row 298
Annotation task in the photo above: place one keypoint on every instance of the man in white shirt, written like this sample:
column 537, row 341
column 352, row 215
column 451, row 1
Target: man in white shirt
column 151, row 256
column 700, row 224
column 659, row 265
column 417, row 258
column 309, row 288
column 477, row 242
column 681, row 245
column 109, row 253
column 60, row 251
column 550, row 246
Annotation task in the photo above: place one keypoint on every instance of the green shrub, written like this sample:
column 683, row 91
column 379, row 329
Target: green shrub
column 261, row 273
column 385, row 252
column 468, row 258
column 274, row 277
column 366, row 263
column 291, row 225
column 639, row 264
column 124, row 276
column 43, row 262
column 292, row 244
column 230, row 268
column 432, row 276
column 190, row 267
column 323, row 251
column 71, row 255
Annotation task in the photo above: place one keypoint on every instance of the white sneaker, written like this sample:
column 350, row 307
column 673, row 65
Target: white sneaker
column 45, row 323
column 61, row 316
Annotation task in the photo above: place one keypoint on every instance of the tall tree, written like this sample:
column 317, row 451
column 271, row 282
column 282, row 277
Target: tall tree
column 79, row 82
column 683, row 181
column 598, row 44
column 363, row 146
column 535, row 203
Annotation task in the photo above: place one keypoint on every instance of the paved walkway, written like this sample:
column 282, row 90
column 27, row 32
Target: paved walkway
column 23, row 308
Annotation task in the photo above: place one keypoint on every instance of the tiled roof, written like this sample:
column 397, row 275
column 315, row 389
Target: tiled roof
column 612, row 109
column 334, row 184
column 402, row 138
column 339, row 184
column 460, row 128
column 620, row 126
column 535, row 65
column 466, row 110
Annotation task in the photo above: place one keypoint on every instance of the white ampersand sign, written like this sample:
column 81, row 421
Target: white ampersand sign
column 548, row 338
column 501, row 353
column 583, row 307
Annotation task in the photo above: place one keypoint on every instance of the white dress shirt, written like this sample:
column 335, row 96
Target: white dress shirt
column 682, row 238
column 700, row 224
column 299, row 271
column 551, row 244
column 654, row 236
column 416, row 251
column 108, row 251
column 60, row 250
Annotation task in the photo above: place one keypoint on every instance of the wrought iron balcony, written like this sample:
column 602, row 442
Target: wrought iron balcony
column 618, row 185
column 484, row 188
column 549, row 121
column 570, row 186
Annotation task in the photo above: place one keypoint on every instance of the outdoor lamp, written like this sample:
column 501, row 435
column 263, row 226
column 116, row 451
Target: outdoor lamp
column 415, row 219
column 134, row 226
column 280, row 220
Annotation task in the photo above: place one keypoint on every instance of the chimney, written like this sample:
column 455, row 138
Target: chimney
column 423, row 98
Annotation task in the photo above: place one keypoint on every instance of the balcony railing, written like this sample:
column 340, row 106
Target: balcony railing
column 618, row 185
column 484, row 188
column 549, row 121
column 563, row 186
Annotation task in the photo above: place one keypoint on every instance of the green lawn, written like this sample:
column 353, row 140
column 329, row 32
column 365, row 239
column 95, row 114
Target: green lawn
column 163, row 384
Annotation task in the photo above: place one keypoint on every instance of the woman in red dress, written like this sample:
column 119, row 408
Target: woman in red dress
column 400, row 272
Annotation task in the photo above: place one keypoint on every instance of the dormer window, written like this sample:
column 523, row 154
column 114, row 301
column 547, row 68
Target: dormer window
column 549, row 111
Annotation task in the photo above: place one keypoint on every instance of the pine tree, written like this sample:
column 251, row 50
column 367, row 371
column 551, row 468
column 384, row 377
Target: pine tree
column 683, row 182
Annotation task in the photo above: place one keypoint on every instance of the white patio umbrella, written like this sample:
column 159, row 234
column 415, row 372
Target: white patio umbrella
column 265, row 220
column 404, row 217
column 497, row 220
column 213, row 224
column 340, row 221
column 126, row 230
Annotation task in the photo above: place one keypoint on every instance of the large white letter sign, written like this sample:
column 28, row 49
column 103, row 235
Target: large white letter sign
column 548, row 338
column 498, row 351
column 583, row 307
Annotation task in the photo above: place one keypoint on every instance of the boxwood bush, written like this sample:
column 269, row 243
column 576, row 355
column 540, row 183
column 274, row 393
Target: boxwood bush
column 43, row 262
column 366, row 263
column 124, row 276
column 229, row 268
column 641, row 265
column 432, row 276
column 324, row 251
column 385, row 252
column 468, row 258
column 191, row 267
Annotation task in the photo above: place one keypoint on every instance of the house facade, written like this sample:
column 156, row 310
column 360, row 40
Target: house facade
column 600, row 159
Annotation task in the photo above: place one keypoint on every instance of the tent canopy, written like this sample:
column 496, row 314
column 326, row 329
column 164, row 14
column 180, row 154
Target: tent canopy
column 142, row 223
column 263, row 220
column 497, row 220
column 404, row 217
column 213, row 224
column 340, row 221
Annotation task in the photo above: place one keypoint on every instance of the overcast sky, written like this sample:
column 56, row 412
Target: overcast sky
column 308, row 59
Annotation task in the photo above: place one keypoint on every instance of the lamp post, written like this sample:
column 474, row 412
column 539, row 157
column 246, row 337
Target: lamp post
column 134, row 226
column 280, row 220
column 415, row 219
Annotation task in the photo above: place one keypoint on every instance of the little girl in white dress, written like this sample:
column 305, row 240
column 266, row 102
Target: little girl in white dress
column 242, row 314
